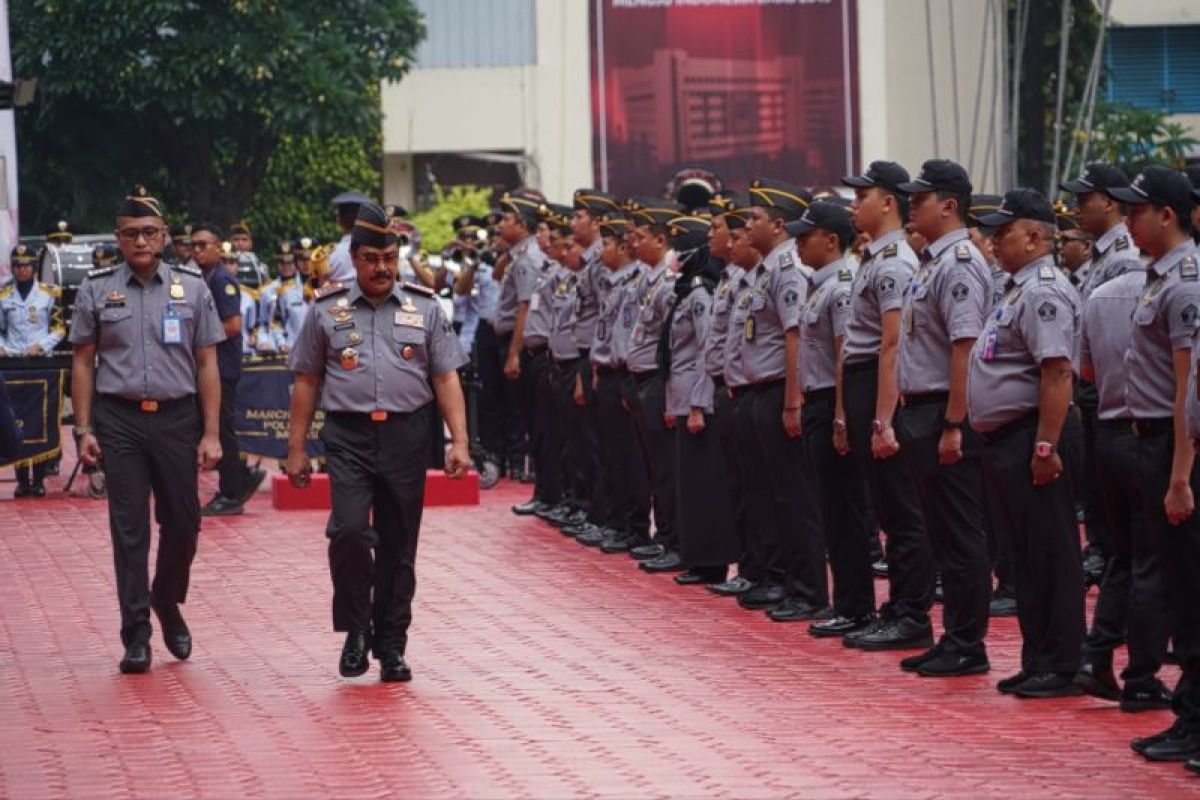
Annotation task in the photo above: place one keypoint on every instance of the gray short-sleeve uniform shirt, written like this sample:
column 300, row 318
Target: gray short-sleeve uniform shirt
column 1038, row 320
column 1104, row 338
column 564, row 340
column 540, row 320
column 587, row 296
column 824, row 319
column 526, row 260
column 1113, row 254
column 628, row 292
column 718, row 326
column 878, row 288
column 652, row 305
column 133, row 324
column 688, row 385
column 947, row 301
column 376, row 357
column 1163, row 321
column 779, row 287
column 612, row 293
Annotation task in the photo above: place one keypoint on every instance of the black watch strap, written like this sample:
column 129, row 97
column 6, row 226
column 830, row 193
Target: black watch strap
column 950, row 424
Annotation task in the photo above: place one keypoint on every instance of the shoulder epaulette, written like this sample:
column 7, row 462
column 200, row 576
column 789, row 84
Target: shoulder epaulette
column 1121, row 244
column 188, row 270
column 100, row 272
column 1046, row 272
column 417, row 288
column 331, row 289
column 962, row 253
column 1188, row 270
column 786, row 261
column 845, row 275
column 891, row 251
column 252, row 292
column 6, row 290
column 697, row 281
column 52, row 290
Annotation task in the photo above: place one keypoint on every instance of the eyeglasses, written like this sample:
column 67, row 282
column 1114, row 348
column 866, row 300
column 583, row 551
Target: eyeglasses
column 379, row 259
column 200, row 244
column 149, row 233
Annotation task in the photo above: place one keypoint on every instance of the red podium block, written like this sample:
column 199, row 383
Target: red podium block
column 439, row 491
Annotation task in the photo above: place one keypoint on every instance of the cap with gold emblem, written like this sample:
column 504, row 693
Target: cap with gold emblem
column 652, row 210
column 61, row 234
column 22, row 254
column 284, row 253
column 139, row 203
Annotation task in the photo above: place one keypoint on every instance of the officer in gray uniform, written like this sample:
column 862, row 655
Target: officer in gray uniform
column 944, row 310
column 981, row 237
column 646, row 380
column 377, row 353
column 588, row 206
column 792, row 540
column 869, row 398
column 732, row 404
column 823, row 236
column 1158, row 364
column 144, row 336
column 1131, row 608
column 621, row 460
column 1018, row 396
column 518, row 272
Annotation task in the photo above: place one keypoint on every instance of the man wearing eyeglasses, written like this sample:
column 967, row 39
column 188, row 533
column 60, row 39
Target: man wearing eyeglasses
column 144, row 336
column 378, row 353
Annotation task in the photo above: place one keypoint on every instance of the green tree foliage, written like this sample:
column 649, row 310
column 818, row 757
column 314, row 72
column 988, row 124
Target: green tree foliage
column 435, row 223
column 1134, row 138
column 191, row 98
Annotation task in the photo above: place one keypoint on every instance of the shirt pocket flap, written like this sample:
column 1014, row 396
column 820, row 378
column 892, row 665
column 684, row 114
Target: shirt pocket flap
column 115, row 314
column 408, row 335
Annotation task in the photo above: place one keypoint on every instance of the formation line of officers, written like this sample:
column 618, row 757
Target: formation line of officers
column 745, row 392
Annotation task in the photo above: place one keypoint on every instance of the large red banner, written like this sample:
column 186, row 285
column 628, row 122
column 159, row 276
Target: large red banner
column 740, row 87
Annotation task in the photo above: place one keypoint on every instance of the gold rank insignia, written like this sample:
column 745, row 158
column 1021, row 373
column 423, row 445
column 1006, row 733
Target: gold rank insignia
column 176, row 290
column 349, row 357
column 33, row 315
column 355, row 337
column 343, row 302
column 408, row 306
column 749, row 329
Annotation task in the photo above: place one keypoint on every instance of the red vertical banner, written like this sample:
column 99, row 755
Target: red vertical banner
column 740, row 87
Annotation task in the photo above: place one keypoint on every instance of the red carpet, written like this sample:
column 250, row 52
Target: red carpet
column 543, row 669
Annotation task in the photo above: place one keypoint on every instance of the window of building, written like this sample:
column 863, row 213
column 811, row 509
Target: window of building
column 1155, row 67
column 477, row 33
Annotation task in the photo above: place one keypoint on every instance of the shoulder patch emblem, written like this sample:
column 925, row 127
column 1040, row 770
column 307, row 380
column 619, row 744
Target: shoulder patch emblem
column 845, row 275
column 1121, row 244
column 1046, row 272
column 230, row 289
column 1047, row 311
column 1189, row 315
column 962, row 253
column 960, row 292
column 330, row 289
column 786, row 261
column 417, row 288
column 891, row 251
column 101, row 272
column 791, row 297
column 887, row 285
column 187, row 269
column 1188, row 270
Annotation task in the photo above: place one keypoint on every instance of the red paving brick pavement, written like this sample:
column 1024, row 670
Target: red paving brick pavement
column 543, row 669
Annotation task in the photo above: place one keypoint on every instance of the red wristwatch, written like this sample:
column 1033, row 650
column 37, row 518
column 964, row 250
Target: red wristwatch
column 1043, row 449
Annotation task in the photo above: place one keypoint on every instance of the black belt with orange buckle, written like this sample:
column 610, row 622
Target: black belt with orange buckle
column 373, row 416
column 147, row 405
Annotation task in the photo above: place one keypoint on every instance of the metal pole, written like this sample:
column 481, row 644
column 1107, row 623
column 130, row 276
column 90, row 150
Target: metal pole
column 1014, row 132
column 1089, row 96
column 983, row 45
column 1091, row 111
column 847, row 95
column 1064, row 40
column 937, row 147
column 602, row 100
column 954, row 80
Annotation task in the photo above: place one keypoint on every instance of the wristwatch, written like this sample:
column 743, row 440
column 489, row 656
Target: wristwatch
column 880, row 425
column 950, row 424
column 83, row 430
column 1043, row 449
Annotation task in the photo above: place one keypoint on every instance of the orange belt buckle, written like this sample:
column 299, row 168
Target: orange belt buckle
column 378, row 416
column 149, row 406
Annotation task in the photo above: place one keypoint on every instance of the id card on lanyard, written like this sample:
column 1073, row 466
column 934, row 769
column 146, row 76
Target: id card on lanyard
column 172, row 326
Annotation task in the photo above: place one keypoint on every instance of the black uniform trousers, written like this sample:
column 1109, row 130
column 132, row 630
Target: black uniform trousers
column 762, row 557
column 516, row 433
column 894, row 499
column 23, row 470
column 657, row 443
column 494, row 412
column 1049, row 574
column 148, row 452
column 1087, row 482
column 233, row 475
column 538, row 393
column 706, row 510
column 1132, row 605
column 377, row 485
column 952, row 502
column 838, row 485
column 793, row 519
column 622, row 461
column 1178, row 548
column 572, row 446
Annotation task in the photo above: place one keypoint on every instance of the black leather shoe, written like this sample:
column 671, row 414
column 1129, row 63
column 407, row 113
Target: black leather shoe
column 136, row 659
column 1151, row 697
column 1181, row 745
column 221, row 506
column 879, row 568
column 1041, row 685
column 840, row 626
column 1093, row 568
column 1193, row 765
column 528, row 508
column 696, row 575
column 914, row 663
column 618, row 543
column 761, row 597
column 595, row 537
column 1010, row 684
column 22, row 490
column 38, row 489
column 176, row 635
column 573, row 516
column 354, row 655
column 791, row 610
column 554, row 514
column 576, row 530
column 667, row 562
column 1095, row 677
column 731, row 588
column 1140, row 744
column 1003, row 603
column 900, row 634
column 253, row 481
column 953, row 665
column 645, row 552
column 392, row 668
column 851, row 639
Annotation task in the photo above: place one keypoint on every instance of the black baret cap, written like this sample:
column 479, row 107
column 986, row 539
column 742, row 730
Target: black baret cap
column 939, row 175
column 688, row 233
column 372, row 226
column 139, row 203
column 652, row 210
column 350, row 199
column 595, row 201
column 1160, row 186
column 1020, row 204
column 1096, row 177
column 884, row 174
column 788, row 198
column 826, row 216
column 982, row 204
